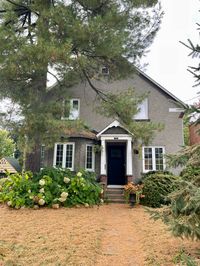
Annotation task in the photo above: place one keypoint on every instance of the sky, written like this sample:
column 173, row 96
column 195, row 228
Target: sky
column 168, row 59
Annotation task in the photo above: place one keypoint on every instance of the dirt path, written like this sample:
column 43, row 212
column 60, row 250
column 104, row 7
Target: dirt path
column 120, row 244
column 113, row 235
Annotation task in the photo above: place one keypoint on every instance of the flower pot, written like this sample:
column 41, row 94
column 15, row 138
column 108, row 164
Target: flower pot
column 132, row 199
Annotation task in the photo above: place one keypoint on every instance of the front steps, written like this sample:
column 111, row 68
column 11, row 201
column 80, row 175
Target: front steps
column 114, row 195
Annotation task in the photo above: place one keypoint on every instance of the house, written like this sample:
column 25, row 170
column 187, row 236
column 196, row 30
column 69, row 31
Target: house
column 9, row 164
column 194, row 133
column 109, row 149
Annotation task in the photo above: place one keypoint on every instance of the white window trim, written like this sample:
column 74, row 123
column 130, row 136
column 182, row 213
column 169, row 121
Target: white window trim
column 93, row 158
column 153, row 158
column 64, row 153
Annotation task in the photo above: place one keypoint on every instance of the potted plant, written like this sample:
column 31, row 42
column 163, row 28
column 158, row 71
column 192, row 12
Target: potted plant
column 133, row 193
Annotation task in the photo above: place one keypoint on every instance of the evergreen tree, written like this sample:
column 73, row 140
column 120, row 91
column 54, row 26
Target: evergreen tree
column 70, row 41
column 183, row 215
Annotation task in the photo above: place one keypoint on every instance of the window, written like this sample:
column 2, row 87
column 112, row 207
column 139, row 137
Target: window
column 64, row 155
column 105, row 71
column 90, row 158
column 74, row 109
column 153, row 159
column 71, row 109
column 143, row 111
column 42, row 151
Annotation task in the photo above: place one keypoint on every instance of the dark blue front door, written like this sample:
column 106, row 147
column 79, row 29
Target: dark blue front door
column 116, row 163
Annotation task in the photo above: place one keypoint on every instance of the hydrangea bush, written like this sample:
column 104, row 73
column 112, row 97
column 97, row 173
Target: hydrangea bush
column 51, row 187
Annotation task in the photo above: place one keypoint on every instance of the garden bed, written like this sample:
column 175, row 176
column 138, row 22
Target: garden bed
column 106, row 235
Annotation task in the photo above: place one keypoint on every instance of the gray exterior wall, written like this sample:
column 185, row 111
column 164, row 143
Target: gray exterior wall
column 159, row 103
column 79, row 156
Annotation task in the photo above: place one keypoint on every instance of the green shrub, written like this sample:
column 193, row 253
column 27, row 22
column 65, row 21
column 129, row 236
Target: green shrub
column 51, row 187
column 156, row 188
column 190, row 173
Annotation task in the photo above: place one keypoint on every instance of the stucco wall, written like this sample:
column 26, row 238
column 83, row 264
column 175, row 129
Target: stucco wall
column 158, row 108
column 79, row 156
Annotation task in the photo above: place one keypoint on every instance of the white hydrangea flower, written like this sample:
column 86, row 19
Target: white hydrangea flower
column 9, row 203
column 66, row 179
column 64, row 195
column 41, row 202
column 41, row 190
column 42, row 182
column 79, row 174
column 62, row 199
column 31, row 197
column 29, row 191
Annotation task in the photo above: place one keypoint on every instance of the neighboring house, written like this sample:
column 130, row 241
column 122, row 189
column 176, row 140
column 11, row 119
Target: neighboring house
column 9, row 164
column 194, row 133
column 118, row 159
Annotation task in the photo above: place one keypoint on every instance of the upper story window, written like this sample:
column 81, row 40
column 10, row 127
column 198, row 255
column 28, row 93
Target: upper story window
column 105, row 71
column 64, row 155
column 90, row 158
column 153, row 159
column 143, row 111
column 74, row 110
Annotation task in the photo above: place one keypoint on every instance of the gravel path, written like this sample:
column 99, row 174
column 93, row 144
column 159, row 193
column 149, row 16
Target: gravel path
column 113, row 235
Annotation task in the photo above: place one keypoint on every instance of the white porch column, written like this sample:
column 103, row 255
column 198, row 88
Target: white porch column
column 129, row 158
column 103, row 157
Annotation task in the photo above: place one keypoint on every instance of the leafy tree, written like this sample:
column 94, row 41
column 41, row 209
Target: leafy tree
column 7, row 144
column 69, row 41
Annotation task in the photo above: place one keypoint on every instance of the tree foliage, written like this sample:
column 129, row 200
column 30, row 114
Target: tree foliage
column 69, row 41
column 124, row 106
column 7, row 145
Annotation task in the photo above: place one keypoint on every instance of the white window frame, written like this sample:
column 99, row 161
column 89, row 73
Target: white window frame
column 64, row 154
column 143, row 113
column 93, row 158
column 153, row 158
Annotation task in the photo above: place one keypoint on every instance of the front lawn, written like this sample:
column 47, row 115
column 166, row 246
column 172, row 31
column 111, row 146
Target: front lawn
column 106, row 235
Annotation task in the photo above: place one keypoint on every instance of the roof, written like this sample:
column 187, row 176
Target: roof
column 115, row 123
column 145, row 76
column 10, row 164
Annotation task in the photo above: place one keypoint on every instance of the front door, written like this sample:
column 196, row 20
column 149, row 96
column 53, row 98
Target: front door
column 116, row 163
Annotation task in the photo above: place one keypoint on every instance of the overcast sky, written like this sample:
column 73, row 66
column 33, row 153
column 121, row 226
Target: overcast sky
column 168, row 59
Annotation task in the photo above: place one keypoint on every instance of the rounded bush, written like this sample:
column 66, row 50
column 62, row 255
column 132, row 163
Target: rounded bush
column 157, row 186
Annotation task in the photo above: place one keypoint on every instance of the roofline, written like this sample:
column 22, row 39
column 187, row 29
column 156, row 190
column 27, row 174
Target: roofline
column 161, row 87
column 115, row 123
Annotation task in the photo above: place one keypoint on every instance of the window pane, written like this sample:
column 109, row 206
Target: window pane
column 159, row 158
column 69, row 155
column 74, row 109
column 143, row 110
column 148, row 162
column 89, row 154
column 59, row 155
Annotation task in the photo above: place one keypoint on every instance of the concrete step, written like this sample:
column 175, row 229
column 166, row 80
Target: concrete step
column 114, row 195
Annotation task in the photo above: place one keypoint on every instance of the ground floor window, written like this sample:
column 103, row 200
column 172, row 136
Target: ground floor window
column 90, row 158
column 153, row 159
column 64, row 155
